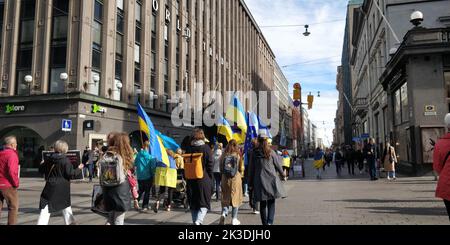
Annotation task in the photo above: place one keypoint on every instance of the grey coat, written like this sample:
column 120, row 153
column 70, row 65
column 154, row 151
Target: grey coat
column 264, row 177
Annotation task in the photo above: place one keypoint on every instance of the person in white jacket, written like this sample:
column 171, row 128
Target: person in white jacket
column 216, row 169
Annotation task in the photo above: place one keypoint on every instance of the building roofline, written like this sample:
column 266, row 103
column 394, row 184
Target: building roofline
column 247, row 10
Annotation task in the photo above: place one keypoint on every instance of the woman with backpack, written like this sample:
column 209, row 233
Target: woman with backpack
column 199, row 190
column 232, row 169
column 116, row 193
column 55, row 197
column 264, row 179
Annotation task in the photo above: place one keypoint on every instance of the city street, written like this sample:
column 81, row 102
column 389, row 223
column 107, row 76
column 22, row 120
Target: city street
column 331, row 201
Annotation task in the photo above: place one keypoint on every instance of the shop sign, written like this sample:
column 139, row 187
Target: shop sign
column 14, row 108
column 98, row 109
column 430, row 110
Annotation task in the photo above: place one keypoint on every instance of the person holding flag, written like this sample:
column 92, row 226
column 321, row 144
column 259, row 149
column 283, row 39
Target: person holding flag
column 224, row 128
column 166, row 172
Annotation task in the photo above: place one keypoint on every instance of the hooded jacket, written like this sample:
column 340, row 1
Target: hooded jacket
column 9, row 168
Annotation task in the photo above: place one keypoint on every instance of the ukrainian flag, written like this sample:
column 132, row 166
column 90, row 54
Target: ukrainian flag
column 165, row 170
column 236, row 116
column 224, row 128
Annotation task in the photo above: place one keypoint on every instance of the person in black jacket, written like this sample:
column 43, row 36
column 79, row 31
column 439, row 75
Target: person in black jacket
column 200, row 191
column 55, row 197
column 370, row 155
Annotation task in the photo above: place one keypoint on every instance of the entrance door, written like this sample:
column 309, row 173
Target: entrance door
column 96, row 140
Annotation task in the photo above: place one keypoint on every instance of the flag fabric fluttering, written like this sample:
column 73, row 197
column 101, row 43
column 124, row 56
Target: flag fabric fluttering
column 236, row 117
column 224, row 128
column 264, row 128
column 252, row 133
column 166, row 170
column 168, row 142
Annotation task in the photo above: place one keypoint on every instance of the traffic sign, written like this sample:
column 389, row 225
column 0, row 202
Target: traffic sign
column 297, row 103
column 66, row 125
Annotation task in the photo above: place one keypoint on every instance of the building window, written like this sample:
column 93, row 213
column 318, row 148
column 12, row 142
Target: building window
column 94, row 85
column 401, row 105
column 120, row 26
column 25, row 49
column 2, row 12
column 58, row 45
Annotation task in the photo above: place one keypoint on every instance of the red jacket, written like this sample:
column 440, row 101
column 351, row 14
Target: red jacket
column 440, row 152
column 9, row 168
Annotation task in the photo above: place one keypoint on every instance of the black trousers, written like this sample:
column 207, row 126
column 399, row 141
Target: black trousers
column 447, row 205
column 351, row 167
column 162, row 190
column 144, row 190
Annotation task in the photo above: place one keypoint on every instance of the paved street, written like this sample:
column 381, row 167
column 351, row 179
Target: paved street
column 349, row 201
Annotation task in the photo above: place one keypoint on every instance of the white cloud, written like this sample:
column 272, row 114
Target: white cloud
column 291, row 47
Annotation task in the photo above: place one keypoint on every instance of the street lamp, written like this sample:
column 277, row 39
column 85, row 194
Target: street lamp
column 28, row 80
column 416, row 18
column 306, row 33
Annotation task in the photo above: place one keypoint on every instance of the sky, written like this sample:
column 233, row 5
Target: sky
column 312, row 61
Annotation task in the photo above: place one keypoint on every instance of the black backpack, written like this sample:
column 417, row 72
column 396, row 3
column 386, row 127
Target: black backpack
column 230, row 166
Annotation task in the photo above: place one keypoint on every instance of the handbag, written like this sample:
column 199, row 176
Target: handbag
column 98, row 202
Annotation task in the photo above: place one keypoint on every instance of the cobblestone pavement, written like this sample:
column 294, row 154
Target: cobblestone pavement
column 345, row 200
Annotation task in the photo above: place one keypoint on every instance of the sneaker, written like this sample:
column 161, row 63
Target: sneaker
column 197, row 223
column 246, row 195
column 156, row 207
column 222, row 220
column 256, row 211
column 235, row 222
column 168, row 209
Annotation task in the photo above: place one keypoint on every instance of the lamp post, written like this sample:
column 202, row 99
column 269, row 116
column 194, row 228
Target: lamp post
column 64, row 77
column 28, row 80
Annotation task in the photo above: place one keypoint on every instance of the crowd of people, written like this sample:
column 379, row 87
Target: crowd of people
column 365, row 157
column 208, row 171
column 137, row 174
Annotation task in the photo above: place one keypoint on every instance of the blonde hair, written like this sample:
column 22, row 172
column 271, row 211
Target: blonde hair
column 199, row 134
column 10, row 140
column 61, row 146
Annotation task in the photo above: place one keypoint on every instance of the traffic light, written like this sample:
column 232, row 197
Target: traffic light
column 310, row 101
column 297, row 92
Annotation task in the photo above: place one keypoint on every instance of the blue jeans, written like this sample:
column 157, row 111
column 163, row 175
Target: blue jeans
column 90, row 169
column 198, row 216
column 267, row 212
column 234, row 212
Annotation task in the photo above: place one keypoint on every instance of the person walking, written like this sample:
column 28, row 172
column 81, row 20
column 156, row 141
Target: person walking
column 338, row 159
column 167, row 183
column 286, row 163
column 389, row 161
column 216, row 170
column 199, row 190
column 264, row 179
column 319, row 162
column 145, row 171
column 58, row 171
column 359, row 158
column 351, row 160
column 232, row 169
column 9, row 178
column 117, row 198
column 369, row 153
column 441, row 164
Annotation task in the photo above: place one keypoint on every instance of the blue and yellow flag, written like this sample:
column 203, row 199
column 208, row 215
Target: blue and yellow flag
column 224, row 128
column 168, row 142
column 166, row 170
column 236, row 116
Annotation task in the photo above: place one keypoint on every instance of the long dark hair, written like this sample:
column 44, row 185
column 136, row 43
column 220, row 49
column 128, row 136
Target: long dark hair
column 263, row 144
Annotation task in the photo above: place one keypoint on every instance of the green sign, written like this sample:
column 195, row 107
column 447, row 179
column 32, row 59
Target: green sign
column 14, row 108
column 96, row 109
